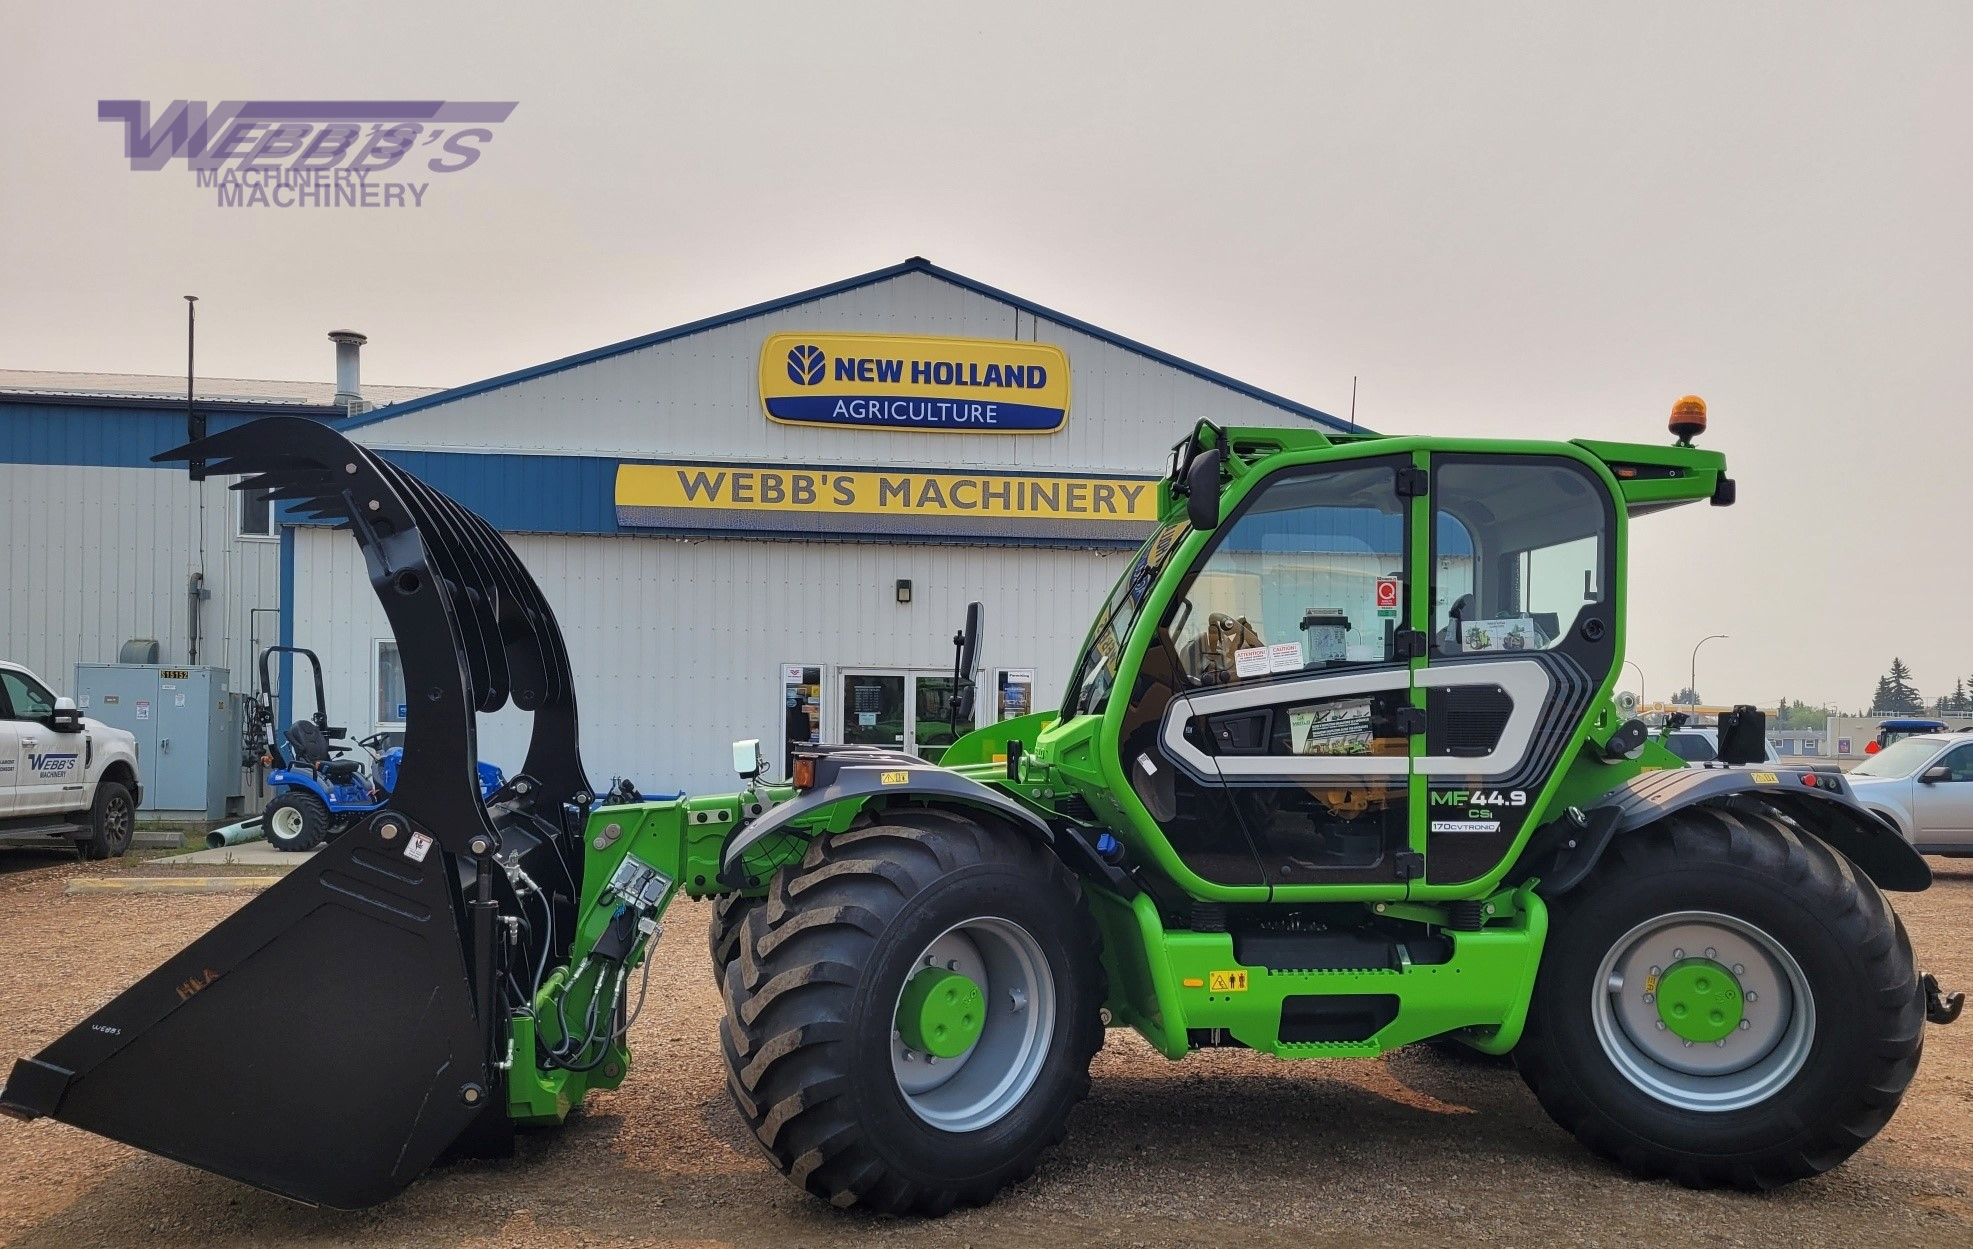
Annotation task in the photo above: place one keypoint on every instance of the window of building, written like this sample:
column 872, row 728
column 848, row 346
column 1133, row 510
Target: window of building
column 256, row 513
column 391, row 707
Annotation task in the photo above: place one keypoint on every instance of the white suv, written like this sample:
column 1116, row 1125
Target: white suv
column 1924, row 785
column 63, row 776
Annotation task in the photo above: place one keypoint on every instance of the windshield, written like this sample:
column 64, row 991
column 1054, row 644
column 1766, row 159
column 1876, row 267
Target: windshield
column 1898, row 759
column 1096, row 671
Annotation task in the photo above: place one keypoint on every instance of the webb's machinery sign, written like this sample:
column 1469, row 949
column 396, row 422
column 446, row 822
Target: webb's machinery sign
column 899, row 381
column 785, row 499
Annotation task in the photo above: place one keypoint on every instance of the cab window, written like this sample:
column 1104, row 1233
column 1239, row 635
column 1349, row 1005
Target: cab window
column 1293, row 583
column 1523, row 550
column 25, row 697
column 1958, row 763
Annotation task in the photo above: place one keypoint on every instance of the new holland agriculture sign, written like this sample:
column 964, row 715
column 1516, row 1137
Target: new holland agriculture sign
column 782, row 498
column 901, row 381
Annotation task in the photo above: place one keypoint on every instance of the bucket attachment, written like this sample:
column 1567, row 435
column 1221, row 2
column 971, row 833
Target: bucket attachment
column 346, row 1028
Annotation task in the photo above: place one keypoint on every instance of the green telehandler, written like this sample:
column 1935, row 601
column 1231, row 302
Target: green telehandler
column 1339, row 770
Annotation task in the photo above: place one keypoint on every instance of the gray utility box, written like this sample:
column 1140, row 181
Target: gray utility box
column 187, row 725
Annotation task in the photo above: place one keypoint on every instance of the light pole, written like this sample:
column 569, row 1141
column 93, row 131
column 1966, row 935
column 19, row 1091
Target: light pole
column 1692, row 685
column 1632, row 663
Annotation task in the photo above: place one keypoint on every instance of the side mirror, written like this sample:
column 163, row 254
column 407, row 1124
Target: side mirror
column 1743, row 736
column 967, row 640
column 747, row 759
column 65, row 718
column 1202, row 490
column 1934, row 774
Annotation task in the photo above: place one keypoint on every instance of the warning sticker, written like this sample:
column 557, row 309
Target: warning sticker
column 1250, row 661
column 896, row 778
column 1766, row 778
column 1283, row 657
column 1226, row 982
column 143, row 709
column 1387, row 597
column 419, row 847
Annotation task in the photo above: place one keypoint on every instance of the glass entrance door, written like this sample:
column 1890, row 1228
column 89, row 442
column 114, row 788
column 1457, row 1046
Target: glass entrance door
column 873, row 710
column 906, row 711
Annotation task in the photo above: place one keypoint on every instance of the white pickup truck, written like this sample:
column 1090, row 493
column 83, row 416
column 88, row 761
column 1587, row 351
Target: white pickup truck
column 63, row 776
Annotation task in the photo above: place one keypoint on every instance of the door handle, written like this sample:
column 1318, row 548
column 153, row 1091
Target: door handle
column 164, row 743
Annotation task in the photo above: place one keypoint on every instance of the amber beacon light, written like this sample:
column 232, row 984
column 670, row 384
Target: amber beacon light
column 1688, row 419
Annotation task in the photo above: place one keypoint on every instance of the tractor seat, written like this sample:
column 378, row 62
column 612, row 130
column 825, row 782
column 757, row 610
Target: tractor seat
column 308, row 743
column 341, row 770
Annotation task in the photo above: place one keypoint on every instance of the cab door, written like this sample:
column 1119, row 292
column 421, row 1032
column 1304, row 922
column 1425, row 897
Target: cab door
column 1522, row 632
column 1275, row 701
column 48, row 768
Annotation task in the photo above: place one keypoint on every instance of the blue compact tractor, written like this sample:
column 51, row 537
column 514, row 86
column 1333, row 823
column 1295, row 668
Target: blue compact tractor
column 318, row 792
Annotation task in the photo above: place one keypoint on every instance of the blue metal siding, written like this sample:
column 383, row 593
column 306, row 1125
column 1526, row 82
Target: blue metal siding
column 110, row 436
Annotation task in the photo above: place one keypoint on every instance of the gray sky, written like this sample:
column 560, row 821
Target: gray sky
column 1534, row 219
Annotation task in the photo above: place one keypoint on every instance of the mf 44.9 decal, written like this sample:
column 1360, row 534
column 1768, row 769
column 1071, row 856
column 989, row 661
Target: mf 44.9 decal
column 1479, row 797
column 52, row 765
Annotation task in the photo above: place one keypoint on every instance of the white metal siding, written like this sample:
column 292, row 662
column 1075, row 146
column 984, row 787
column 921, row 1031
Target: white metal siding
column 699, row 397
column 91, row 556
column 676, row 644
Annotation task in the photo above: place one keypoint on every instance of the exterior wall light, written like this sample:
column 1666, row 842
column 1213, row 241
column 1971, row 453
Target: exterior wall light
column 903, row 591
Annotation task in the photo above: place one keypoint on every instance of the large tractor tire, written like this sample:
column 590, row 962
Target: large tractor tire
column 729, row 917
column 913, row 1012
column 295, row 820
column 1725, row 1001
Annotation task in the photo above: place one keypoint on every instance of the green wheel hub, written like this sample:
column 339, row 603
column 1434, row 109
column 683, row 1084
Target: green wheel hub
column 941, row 1013
column 1700, row 1000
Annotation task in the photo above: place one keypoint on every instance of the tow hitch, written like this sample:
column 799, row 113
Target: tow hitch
column 1940, row 1008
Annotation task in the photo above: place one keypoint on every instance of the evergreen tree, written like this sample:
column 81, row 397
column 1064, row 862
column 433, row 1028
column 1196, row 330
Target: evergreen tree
column 1896, row 696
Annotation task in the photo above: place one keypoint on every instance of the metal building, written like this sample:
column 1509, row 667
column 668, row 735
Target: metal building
column 769, row 523
column 764, row 524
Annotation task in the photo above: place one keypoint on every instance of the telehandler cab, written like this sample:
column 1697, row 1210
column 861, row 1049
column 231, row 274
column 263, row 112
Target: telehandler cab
column 1339, row 770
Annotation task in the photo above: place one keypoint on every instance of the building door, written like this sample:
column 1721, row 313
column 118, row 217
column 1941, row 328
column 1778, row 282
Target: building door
column 908, row 711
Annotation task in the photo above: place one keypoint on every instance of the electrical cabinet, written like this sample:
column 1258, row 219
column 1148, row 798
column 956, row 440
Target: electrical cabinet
column 187, row 725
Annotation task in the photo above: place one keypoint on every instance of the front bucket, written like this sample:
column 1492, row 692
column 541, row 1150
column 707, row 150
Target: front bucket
column 341, row 999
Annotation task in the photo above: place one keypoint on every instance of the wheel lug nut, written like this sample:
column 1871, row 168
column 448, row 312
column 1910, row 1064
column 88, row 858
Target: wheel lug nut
column 1744, row 1025
column 1739, row 969
column 1661, row 1025
column 1711, row 952
column 1650, row 998
column 1677, row 955
column 1752, row 996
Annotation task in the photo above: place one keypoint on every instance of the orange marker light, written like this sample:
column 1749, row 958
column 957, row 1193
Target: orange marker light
column 1688, row 419
column 804, row 770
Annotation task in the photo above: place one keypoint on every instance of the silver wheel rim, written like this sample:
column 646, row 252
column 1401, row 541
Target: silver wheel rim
column 1756, row 1060
column 286, row 823
column 116, row 821
column 981, row 1086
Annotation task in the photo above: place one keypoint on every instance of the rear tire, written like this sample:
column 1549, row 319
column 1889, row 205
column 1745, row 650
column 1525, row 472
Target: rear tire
column 295, row 820
column 814, row 1051
column 1770, row 1038
column 112, row 823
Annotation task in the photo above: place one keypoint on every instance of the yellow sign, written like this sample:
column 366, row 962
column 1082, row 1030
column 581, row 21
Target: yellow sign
column 895, row 778
column 1226, row 982
column 903, row 381
column 800, row 500
column 1766, row 778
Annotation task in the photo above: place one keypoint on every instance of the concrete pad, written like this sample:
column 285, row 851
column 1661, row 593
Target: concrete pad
column 249, row 854
column 168, row 884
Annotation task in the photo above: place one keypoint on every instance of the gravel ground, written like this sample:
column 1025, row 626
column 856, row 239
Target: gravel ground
column 1225, row 1148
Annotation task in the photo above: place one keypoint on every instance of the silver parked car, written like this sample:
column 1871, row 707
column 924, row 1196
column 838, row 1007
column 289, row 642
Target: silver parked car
column 1924, row 785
